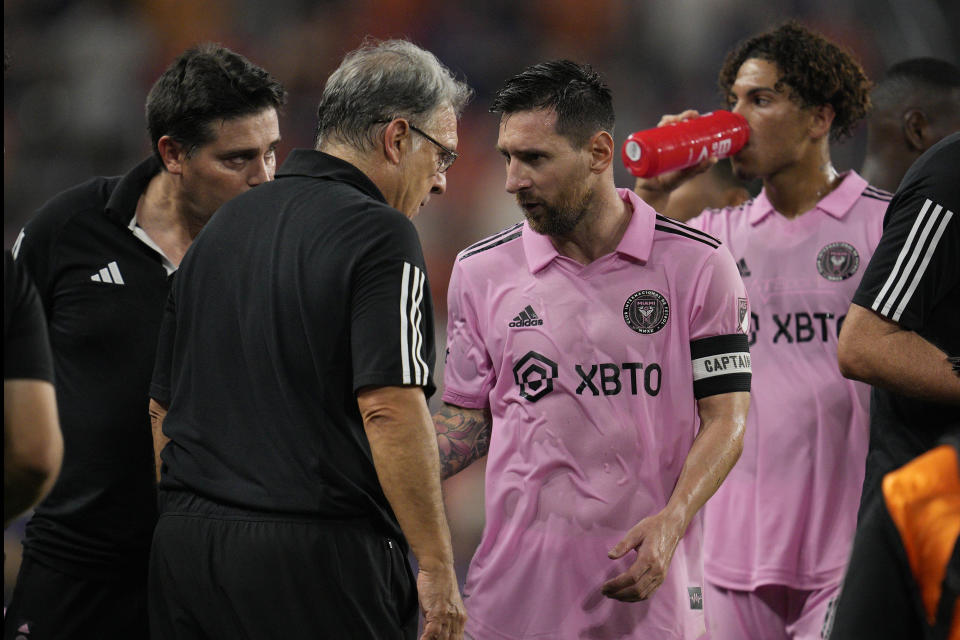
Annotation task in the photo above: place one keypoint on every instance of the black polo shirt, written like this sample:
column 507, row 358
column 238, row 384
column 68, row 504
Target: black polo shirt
column 913, row 279
column 26, row 349
column 103, row 290
column 294, row 296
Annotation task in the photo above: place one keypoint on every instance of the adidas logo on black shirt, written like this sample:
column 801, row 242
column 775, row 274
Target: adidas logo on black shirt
column 527, row 318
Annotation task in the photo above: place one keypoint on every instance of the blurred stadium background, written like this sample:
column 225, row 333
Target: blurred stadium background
column 80, row 71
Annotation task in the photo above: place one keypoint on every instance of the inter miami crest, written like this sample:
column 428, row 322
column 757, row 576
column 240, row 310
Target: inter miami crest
column 646, row 311
column 838, row 261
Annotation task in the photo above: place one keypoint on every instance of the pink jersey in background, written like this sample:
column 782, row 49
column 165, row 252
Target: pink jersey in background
column 787, row 512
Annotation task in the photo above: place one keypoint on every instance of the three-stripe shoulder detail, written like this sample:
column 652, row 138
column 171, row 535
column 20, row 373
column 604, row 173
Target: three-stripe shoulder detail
column 413, row 366
column 511, row 233
column 668, row 225
column 877, row 194
column 912, row 261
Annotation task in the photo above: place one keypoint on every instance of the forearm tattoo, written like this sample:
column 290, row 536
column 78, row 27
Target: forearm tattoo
column 463, row 436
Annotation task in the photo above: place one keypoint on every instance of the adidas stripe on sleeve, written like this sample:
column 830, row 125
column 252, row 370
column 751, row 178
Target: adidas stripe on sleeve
column 413, row 364
column 391, row 330
column 913, row 260
column 912, row 277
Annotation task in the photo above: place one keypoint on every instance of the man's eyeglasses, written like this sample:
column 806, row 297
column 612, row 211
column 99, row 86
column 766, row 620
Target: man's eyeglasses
column 447, row 156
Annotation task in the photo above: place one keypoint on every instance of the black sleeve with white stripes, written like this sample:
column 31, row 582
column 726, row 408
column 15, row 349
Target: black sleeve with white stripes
column 392, row 341
column 916, row 263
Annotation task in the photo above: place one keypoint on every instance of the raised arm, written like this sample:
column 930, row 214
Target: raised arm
column 463, row 437
column 398, row 427
column 656, row 191
column 715, row 450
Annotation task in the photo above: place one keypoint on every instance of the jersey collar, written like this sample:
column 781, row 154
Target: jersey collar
column 837, row 203
column 123, row 201
column 636, row 243
column 317, row 164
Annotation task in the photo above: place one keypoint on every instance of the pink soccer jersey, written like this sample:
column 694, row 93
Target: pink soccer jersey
column 591, row 374
column 787, row 512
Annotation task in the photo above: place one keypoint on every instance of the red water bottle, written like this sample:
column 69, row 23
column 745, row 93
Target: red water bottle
column 683, row 144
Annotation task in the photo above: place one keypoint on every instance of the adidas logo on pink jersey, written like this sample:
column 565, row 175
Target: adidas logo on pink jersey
column 526, row 318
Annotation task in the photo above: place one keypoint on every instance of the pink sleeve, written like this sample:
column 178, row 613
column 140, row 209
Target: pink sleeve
column 469, row 375
column 720, row 318
column 720, row 303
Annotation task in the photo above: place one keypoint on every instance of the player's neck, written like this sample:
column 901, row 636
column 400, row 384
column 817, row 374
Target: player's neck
column 799, row 188
column 600, row 231
column 383, row 175
column 164, row 215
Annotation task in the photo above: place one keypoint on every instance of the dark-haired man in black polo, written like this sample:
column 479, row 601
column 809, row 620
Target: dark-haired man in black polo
column 298, row 456
column 101, row 254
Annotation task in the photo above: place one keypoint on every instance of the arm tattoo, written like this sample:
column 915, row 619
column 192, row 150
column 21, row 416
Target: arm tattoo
column 463, row 436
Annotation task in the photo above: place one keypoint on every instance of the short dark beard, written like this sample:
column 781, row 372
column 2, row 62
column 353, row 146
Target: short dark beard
column 562, row 217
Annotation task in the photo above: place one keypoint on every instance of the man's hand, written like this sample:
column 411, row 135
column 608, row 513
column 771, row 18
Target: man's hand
column 655, row 539
column 443, row 611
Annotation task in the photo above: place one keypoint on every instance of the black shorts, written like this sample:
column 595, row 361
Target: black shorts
column 217, row 572
column 49, row 604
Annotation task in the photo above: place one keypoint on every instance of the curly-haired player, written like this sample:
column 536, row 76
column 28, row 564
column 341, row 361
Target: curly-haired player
column 779, row 530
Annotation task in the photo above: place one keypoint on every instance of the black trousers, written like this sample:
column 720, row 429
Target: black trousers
column 48, row 604
column 216, row 572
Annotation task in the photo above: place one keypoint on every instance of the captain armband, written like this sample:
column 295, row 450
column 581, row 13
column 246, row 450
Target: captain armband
column 721, row 364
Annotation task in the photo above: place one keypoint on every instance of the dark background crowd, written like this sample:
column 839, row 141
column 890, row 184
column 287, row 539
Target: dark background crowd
column 80, row 71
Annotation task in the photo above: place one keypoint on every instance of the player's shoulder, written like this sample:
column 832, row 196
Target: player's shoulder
column 86, row 199
column 872, row 195
column 493, row 247
column 935, row 173
column 722, row 221
column 942, row 157
column 688, row 236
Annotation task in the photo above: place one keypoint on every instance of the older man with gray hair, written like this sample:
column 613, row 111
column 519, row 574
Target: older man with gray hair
column 297, row 458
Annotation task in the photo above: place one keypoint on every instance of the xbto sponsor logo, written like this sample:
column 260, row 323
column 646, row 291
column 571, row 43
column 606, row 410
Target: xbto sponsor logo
column 609, row 383
column 534, row 373
column 798, row 327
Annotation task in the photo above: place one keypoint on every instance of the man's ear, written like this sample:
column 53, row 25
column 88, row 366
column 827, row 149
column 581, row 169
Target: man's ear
column 172, row 153
column 915, row 126
column 823, row 116
column 395, row 138
column 601, row 151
